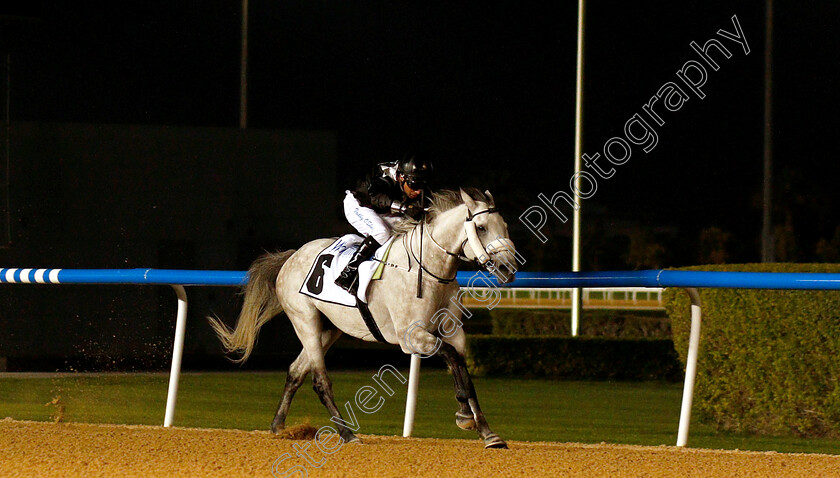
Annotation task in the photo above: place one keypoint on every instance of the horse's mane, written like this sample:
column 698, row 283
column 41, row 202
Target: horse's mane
column 442, row 201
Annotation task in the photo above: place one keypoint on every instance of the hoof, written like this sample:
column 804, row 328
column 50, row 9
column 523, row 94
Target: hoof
column 493, row 441
column 465, row 422
column 275, row 429
column 351, row 438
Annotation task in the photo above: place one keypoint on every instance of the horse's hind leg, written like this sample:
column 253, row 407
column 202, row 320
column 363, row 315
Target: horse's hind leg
column 466, row 396
column 308, row 327
column 295, row 378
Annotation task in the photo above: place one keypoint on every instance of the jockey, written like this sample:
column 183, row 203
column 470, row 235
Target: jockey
column 388, row 194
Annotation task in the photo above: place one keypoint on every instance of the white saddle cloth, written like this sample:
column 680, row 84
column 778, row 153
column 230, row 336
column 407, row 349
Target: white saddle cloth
column 320, row 282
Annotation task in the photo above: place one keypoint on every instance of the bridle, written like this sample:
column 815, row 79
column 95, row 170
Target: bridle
column 482, row 259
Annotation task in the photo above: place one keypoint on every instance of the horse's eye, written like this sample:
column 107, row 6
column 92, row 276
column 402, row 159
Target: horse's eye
column 481, row 228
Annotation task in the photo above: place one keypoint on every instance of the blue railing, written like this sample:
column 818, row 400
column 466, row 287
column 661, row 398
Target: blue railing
column 662, row 278
column 560, row 280
column 124, row 276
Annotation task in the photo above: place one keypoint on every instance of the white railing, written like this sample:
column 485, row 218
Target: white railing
column 641, row 298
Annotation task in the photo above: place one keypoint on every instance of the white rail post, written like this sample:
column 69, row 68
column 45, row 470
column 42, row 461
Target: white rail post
column 177, row 353
column 411, row 399
column 690, row 367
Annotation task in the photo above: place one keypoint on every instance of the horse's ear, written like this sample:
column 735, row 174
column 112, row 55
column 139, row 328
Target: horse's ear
column 490, row 197
column 468, row 200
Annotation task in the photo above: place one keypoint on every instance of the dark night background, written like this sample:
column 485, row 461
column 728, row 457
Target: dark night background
column 488, row 88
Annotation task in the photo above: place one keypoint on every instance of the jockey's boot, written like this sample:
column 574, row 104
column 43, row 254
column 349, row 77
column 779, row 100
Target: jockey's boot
column 349, row 277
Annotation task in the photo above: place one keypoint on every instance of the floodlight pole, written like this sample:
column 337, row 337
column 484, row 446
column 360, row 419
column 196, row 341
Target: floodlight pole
column 243, row 70
column 576, row 293
column 7, row 155
column 767, row 240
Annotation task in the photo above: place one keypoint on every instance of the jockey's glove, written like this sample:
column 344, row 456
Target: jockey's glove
column 413, row 211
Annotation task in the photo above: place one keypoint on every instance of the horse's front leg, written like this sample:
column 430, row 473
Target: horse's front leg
column 464, row 418
column 465, row 394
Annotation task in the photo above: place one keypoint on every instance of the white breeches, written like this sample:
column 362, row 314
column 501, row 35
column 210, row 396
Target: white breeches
column 366, row 220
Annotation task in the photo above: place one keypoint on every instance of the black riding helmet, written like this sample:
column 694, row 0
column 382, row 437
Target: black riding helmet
column 417, row 170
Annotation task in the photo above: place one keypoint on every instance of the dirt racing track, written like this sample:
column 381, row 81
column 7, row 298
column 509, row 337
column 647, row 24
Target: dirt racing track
column 35, row 449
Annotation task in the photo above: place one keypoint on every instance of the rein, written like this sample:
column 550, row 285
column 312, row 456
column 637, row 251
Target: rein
column 472, row 239
column 420, row 263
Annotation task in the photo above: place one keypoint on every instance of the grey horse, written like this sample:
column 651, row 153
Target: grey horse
column 462, row 225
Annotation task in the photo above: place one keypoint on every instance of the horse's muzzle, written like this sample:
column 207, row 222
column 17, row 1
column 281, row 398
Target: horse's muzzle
column 503, row 273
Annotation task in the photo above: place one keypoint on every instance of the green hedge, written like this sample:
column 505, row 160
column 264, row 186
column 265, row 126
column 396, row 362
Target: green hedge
column 573, row 358
column 769, row 361
column 593, row 323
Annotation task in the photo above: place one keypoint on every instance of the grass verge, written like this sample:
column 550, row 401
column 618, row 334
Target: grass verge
column 640, row 413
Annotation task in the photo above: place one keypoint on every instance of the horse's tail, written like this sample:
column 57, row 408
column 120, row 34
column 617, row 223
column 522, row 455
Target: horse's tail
column 261, row 304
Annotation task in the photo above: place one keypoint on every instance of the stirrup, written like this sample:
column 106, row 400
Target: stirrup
column 354, row 286
column 347, row 279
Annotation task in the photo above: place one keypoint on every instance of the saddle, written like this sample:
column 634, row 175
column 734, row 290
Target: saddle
column 319, row 283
